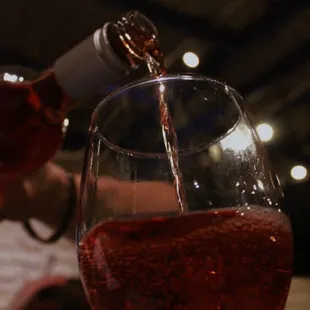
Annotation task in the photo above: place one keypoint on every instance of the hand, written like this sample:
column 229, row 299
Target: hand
column 43, row 194
column 128, row 197
column 32, row 195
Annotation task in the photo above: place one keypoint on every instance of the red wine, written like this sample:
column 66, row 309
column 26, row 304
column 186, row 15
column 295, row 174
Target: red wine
column 28, row 140
column 147, row 48
column 154, row 59
column 226, row 259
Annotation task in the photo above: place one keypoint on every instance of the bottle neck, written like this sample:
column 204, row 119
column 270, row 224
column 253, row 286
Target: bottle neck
column 93, row 64
column 120, row 47
column 104, row 58
column 97, row 61
column 139, row 38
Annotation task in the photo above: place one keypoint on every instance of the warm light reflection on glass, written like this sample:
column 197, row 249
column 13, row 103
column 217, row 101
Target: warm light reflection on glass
column 215, row 152
column 273, row 239
column 238, row 140
column 162, row 88
column 260, row 184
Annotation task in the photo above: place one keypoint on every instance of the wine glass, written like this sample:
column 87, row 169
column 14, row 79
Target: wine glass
column 232, row 246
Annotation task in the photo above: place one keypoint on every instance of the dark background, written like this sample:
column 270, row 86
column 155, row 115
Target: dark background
column 260, row 47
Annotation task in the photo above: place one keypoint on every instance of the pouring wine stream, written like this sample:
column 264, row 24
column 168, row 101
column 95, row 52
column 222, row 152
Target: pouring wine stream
column 140, row 39
column 157, row 69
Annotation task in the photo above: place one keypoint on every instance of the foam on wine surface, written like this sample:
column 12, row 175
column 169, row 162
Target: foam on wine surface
column 216, row 260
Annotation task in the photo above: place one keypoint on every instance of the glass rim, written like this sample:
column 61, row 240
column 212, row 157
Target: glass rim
column 153, row 80
column 150, row 81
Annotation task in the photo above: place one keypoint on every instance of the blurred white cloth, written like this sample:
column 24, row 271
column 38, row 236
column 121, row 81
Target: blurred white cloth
column 22, row 258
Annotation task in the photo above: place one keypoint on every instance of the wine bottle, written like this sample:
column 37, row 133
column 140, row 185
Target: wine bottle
column 31, row 113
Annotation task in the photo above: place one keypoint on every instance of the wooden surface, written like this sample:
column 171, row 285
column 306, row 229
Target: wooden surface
column 299, row 297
